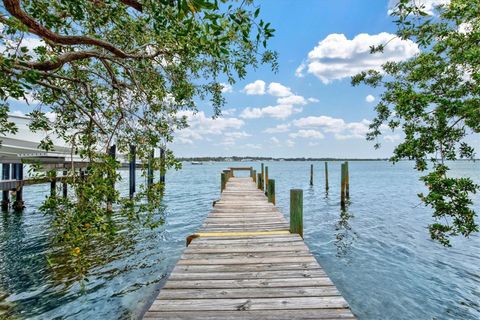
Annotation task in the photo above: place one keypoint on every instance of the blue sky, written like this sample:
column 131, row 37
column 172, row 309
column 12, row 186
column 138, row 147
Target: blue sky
column 334, row 122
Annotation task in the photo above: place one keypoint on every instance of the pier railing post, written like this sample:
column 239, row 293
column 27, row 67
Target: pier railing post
column 311, row 174
column 326, row 177
column 266, row 178
column 271, row 191
column 259, row 181
column 263, row 177
column 254, row 174
column 296, row 211
column 5, row 195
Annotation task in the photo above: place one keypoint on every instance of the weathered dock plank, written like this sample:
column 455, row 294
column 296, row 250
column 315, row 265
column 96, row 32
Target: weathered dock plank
column 246, row 265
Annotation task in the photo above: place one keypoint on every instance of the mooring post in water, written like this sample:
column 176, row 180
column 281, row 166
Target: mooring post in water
column 131, row 169
column 259, row 181
column 162, row 165
column 5, row 195
column 326, row 177
column 112, row 153
column 311, row 174
column 263, row 177
column 64, row 184
column 18, row 204
column 254, row 174
column 342, row 186
column 271, row 191
column 223, row 181
column 296, row 211
column 150, row 168
column 347, row 181
column 53, row 185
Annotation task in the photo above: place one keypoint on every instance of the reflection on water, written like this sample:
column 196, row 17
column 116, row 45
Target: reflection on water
column 377, row 248
column 344, row 236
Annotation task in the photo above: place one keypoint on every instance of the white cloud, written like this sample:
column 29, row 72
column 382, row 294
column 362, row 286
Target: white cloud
column 278, row 128
column 428, row 6
column 253, row 146
column 292, row 100
column 255, row 88
column 226, row 88
column 313, row 100
column 369, row 98
column 290, row 143
column 307, row 134
column 278, row 90
column 275, row 141
column 279, row 112
column 337, row 57
column 391, row 137
column 341, row 129
column 229, row 112
column 201, row 126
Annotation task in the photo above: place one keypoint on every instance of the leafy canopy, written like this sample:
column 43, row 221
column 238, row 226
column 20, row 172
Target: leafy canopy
column 434, row 98
column 119, row 72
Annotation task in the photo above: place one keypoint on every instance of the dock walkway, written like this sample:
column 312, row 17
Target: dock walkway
column 246, row 265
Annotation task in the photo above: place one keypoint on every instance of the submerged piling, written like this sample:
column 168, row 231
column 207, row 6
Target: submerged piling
column 347, row 181
column 342, row 185
column 131, row 170
column 311, row 174
column 64, row 184
column 18, row 204
column 162, row 165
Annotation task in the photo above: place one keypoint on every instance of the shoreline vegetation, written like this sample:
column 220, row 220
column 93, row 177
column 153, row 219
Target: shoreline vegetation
column 247, row 159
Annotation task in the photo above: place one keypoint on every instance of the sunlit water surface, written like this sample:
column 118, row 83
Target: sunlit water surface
column 378, row 254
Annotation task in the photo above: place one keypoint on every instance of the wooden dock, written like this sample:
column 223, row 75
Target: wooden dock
column 245, row 264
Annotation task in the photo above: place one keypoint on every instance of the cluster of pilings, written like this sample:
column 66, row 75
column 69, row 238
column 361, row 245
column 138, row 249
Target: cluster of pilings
column 13, row 173
column 344, row 182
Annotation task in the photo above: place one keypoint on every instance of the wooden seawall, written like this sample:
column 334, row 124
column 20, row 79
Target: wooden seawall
column 245, row 264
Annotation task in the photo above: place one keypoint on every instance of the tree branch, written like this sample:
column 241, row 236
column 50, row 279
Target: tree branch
column 134, row 4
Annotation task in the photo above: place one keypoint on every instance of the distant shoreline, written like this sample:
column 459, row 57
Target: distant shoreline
column 248, row 159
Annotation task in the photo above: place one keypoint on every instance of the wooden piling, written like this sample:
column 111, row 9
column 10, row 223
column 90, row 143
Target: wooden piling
column 18, row 204
column 311, row 174
column 263, row 177
column 112, row 153
column 5, row 196
column 65, row 185
column 326, row 177
column 296, row 211
column 271, row 191
column 131, row 170
column 254, row 176
column 266, row 178
column 342, row 186
column 223, row 181
column 150, row 168
column 347, row 181
column 53, row 185
column 259, row 181
column 162, row 165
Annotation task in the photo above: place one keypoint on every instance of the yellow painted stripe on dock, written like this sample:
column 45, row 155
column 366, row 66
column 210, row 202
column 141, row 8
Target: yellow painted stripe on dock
column 234, row 234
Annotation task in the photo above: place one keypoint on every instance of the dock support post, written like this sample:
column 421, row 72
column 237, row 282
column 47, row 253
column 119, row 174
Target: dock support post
column 326, row 177
column 18, row 205
column 271, row 191
column 347, row 181
column 296, row 211
column 254, row 174
column 266, row 178
column 5, row 195
column 259, row 181
column 65, row 185
column 263, row 177
column 131, row 168
column 311, row 174
column 53, row 185
column 162, row 165
column 112, row 153
column 223, row 181
column 342, row 186
column 150, row 168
